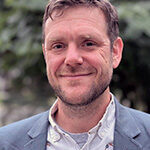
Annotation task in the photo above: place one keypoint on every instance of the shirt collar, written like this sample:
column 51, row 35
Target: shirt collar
column 52, row 113
column 102, row 125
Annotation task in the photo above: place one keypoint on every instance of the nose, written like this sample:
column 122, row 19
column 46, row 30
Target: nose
column 73, row 56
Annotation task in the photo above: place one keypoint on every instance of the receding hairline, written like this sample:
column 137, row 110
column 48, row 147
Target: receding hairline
column 57, row 13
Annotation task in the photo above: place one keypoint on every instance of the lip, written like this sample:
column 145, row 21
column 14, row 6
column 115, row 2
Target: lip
column 75, row 76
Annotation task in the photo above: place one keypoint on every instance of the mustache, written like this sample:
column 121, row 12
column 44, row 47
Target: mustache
column 76, row 70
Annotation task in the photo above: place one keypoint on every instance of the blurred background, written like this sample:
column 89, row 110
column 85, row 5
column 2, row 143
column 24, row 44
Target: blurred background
column 24, row 88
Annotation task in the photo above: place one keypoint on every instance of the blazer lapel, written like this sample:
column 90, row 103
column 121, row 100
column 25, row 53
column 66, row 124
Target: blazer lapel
column 37, row 143
column 126, row 130
column 38, row 134
column 123, row 142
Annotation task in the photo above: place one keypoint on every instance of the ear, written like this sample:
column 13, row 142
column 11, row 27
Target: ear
column 117, row 52
column 43, row 47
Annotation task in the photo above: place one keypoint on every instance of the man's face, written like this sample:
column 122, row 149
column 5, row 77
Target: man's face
column 78, row 56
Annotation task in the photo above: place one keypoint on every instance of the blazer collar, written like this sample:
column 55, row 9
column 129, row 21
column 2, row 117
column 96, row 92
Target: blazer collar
column 38, row 134
column 126, row 130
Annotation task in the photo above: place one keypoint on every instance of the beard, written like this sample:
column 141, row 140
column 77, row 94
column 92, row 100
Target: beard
column 96, row 89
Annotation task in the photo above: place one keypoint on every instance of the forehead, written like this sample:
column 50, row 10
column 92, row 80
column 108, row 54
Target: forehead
column 78, row 11
column 76, row 18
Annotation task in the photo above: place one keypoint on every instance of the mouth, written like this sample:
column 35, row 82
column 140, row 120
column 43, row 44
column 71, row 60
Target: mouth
column 76, row 76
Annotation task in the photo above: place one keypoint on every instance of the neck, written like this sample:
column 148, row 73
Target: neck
column 83, row 118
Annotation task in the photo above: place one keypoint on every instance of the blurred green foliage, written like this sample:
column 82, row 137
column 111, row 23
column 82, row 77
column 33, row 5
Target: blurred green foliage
column 22, row 67
column 22, row 63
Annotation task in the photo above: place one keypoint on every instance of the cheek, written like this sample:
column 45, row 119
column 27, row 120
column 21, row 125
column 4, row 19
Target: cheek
column 100, row 61
column 96, row 60
column 53, row 63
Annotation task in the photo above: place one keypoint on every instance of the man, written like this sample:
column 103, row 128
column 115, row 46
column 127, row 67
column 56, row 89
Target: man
column 81, row 46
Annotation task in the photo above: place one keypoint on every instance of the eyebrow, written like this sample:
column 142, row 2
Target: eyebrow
column 96, row 37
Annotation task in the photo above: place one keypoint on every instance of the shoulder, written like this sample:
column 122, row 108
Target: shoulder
column 21, row 125
column 140, row 117
column 130, row 113
column 131, row 117
column 132, row 127
column 12, row 133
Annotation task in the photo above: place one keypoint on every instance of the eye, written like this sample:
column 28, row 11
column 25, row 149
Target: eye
column 58, row 46
column 88, row 44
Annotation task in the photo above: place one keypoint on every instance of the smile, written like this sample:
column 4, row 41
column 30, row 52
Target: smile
column 75, row 76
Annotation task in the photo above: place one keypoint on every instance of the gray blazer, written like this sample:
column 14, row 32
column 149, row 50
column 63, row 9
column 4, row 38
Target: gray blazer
column 132, row 131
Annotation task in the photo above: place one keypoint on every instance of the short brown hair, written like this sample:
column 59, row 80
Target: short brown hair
column 107, row 8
